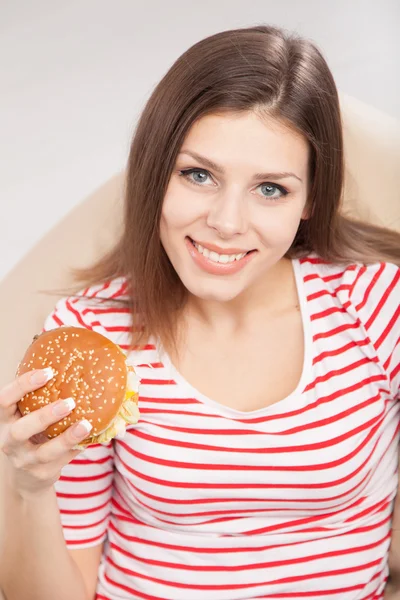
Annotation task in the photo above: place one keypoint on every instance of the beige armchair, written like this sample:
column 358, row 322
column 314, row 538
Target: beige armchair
column 372, row 143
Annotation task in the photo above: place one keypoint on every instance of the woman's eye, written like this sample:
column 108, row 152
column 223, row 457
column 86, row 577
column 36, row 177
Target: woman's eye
column 273, row 191
column 196, row 176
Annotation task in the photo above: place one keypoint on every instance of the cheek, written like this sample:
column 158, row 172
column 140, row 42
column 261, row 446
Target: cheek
column 180, row 209
column 278, row 225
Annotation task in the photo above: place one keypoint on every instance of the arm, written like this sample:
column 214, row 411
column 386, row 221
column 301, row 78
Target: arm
column 35, row 563
column 88, row 562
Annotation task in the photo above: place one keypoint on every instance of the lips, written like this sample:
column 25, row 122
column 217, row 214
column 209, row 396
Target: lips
column 217, row 257
column 218, row 263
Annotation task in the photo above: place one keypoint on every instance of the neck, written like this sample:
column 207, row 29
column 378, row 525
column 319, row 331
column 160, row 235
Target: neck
column 273, row 294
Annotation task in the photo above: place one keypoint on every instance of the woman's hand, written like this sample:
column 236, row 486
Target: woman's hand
column 34, row 460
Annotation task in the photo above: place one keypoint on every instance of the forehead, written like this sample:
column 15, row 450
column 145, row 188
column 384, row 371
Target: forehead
column 233, row 139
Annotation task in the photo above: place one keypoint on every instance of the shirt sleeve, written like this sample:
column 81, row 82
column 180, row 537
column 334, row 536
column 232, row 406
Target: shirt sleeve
column 84, row 490
column 375, row 297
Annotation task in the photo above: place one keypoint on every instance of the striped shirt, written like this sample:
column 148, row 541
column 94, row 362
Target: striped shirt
column 201, row 501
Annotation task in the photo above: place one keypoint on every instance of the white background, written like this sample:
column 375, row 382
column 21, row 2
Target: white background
column 75, row 74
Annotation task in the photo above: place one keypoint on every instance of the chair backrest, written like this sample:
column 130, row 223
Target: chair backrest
column 372, row 145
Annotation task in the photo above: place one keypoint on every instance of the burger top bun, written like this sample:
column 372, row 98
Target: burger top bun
column 92, row 370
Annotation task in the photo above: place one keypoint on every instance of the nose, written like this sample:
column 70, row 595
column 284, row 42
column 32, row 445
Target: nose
column 228, row 215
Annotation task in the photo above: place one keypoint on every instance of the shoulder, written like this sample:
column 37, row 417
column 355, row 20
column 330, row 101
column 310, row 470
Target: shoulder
column 367, row 288
column 368, row 294
column 103, row 308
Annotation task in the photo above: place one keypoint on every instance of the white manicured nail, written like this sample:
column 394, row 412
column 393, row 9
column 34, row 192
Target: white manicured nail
column 82, row 428
column 64, row 407
column 43, row 376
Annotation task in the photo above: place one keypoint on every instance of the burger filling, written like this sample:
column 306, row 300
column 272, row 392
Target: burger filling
column 128, row 413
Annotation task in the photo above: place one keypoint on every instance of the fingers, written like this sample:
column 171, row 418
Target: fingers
column 55, row 450
column 38, row 420
column 52, row 454
column 28, row 382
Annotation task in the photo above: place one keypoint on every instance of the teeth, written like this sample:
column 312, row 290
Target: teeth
column 219, row 258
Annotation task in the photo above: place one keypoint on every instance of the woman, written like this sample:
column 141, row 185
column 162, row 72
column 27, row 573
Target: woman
column 264, row 326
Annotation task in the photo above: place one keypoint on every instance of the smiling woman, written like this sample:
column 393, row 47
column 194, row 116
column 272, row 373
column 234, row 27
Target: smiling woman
column 204, row 219
column 265, row 329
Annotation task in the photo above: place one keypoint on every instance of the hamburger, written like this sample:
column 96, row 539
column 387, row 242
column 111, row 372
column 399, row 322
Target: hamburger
column 92, row 370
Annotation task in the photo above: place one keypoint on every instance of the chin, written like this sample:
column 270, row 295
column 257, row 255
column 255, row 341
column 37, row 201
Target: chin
column 215, row 291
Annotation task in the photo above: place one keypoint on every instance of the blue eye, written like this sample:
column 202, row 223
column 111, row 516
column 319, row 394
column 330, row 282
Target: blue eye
column 273, row 191
column 199, row 175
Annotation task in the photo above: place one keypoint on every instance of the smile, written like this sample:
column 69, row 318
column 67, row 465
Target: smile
column 218, row 258
column 218, row 263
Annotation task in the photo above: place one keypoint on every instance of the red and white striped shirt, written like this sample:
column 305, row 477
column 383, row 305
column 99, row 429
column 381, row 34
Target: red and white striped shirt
column 200, row 501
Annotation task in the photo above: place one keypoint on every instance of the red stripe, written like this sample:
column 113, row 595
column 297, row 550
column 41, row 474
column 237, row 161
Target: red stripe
column 98, row 538
column 248, row 485
column 370, row 287
column 157, row 382
column 390, row 327
column 63, row 511
column 151, row 400
column 205, row 501
column 373, row 423
column 107, row 311
column 359, row 275
column 76, row 313
column 204, row 432
column 395, row 372
column 57, row 319
column 382, row 301
column 387, row 362
column 235, row 467
column 336, row 330
column 115, row 328
column 250, row 566
column 321, row 293
column 86, row 478
column 327, row 312
column 98, row 461
column 264, row 419
column 341, row 350
column 73, row 496
column 239, row 512
column 227, row 549
column 336, row 372
column 326, row 278
column 122, row 290
column 303, row 521
column 208, row 587
column 85, row 526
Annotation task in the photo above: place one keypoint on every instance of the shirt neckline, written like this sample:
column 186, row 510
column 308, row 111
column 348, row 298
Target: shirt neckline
column 284, row 403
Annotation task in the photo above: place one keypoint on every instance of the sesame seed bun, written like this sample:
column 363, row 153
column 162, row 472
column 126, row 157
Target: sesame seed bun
column 90, row 369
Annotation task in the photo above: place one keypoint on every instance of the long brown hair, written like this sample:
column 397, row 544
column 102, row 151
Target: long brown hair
column 258, row 68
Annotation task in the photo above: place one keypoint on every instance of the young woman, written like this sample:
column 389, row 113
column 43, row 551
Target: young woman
column 265, row 328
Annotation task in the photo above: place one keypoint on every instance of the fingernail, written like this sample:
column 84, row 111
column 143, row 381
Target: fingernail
column 43, row 376
column 82, row 428
column 63, row 407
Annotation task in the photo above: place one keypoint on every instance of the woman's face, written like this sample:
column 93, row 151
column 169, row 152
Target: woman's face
column 234, row 202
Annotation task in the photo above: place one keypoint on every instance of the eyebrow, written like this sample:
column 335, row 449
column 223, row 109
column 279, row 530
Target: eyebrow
column 212, row 165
